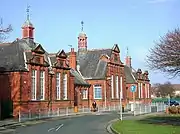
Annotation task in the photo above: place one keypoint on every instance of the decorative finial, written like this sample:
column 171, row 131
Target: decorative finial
column 27, row 11
column 82, row 23
column 127, row 51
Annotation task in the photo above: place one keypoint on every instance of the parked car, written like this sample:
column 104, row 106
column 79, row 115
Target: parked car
column 172, row 102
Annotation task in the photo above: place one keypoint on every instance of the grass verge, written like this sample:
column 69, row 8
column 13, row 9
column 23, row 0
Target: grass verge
column 149, row 125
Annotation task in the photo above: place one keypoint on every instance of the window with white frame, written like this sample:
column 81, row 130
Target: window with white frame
column 34, row 84
column 121, row 90
column 117, row 86
column 42, row 85
column 148, row 94
column 145, row 90
column 97, row 92
column 85, row 94
column 58, row 86
column 112, row 86
column 65, row 87
column 139, row 90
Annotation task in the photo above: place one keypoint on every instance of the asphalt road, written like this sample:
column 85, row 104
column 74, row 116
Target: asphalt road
column 89, row 124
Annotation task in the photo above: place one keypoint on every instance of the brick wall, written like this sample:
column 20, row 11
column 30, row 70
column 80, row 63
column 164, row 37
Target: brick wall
column 22, row 82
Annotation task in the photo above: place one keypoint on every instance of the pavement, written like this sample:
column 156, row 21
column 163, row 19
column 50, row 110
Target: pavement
column 90, row 124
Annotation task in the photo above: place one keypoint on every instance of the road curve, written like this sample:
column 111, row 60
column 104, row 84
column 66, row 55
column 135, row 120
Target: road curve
column 89, row 124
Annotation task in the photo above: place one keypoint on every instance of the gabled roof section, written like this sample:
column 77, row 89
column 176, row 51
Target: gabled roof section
column 61, row 54
column 12, row 56
column 116, row 48
column 78, row 79
column 39, row 49
column 104, row 57
column 91, row 66
column 130, row 79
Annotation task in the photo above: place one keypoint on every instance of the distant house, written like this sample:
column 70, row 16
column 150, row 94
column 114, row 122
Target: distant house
column 177, row 89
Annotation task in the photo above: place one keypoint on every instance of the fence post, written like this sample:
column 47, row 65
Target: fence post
column 104, row 109
column 134, row 111
column 114, row 107
column 58, row 112
column 39, row 114
column 48, row 112
column 109, row 108
column 29, row 114
column 157, row 107
column 19, row 116
column 67, row 111
column 140, row 109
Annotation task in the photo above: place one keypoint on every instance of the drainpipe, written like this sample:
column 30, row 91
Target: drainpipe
column 20, row 88
column 51, row 72
column 105, row 95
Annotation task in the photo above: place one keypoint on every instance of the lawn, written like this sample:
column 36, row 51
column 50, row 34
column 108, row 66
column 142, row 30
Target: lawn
column 149, row 125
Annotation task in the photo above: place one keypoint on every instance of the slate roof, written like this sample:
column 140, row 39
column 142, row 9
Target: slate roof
column 90, row 64
column 78, row 78
column 13, row 55
column 130, row 78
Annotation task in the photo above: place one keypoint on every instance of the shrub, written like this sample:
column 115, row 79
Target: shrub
column 178, row 109
column 173, row 110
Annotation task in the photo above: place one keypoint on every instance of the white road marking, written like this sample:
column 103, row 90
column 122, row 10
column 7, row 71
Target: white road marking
column 50, row 129
column 59, row 127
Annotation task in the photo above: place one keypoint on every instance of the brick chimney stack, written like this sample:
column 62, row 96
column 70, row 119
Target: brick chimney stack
column 72, row 59
column 128, row 61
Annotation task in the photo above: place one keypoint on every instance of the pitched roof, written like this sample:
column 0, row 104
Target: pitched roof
column 78, row 78
column 13, row 57
column 90, row 64
column 130, row 79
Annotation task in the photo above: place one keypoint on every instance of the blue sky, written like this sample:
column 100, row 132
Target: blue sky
column 130, row 23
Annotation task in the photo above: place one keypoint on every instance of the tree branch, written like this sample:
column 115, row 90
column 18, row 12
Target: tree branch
column 165, row 55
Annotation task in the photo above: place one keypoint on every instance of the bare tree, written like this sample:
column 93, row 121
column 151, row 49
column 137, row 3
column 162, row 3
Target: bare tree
column 4, row 31
column 165, row 56
column 163, row 90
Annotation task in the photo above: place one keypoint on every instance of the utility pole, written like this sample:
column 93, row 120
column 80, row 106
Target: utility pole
column 120, row 99
column 169, row 99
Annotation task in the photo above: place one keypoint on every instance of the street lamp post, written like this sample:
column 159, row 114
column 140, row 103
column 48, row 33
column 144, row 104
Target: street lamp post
column 120, row 103
column 120, row 99
column 169, row 99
